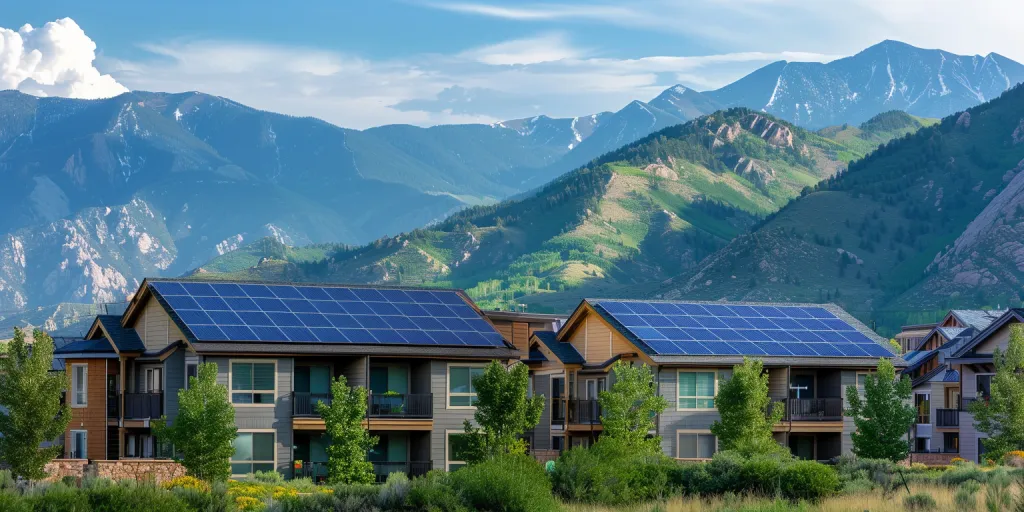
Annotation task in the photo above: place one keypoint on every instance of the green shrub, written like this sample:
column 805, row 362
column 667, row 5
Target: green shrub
column 7, row 482
column 997, row 492
column 393, row 493
column 808, row 480
column 762, row 473
column 314, row 502
column 130, row 496
column 965, row 497
column 919, row 501
column 217, row 500
column 508, row 483
column 610, row 473
column 858, row 486
column 265, row 477
column 57, row 498
column 692, row 478
column 355, row 497
column 303, row 485
column 725, row 474
column 433, row 492
column 70, row 481
column 11, row 502
column 961, row 473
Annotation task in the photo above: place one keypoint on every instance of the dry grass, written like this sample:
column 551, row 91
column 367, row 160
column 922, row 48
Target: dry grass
column 860, row 502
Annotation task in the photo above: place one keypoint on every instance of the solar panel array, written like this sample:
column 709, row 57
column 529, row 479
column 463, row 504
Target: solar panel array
column 734, row 329
column 325, row 314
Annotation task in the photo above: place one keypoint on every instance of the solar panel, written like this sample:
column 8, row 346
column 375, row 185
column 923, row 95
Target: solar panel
column 327, row 314
column 674, row 328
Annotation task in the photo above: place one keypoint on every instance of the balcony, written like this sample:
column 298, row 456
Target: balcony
column 140, row 406
column 304, row 404
column 114, row 406
column 401, row 406
column 947, row 418
column 584, row 412
column 810, row 409
column 411, row 469
column 557, row 410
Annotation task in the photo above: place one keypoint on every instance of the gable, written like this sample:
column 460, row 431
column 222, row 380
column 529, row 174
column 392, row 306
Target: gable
column 999, row 338
column 597, row 340
column 154, row 325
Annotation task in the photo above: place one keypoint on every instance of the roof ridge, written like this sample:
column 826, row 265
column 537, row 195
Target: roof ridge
column 300, row 283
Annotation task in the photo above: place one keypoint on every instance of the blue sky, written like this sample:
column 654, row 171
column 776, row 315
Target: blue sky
column 361, row 63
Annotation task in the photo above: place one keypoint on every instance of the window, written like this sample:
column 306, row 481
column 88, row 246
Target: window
column 253, row 383
column 79, row 385
column 461, row 392
column 254, row 451
column 862, row 379
column 984, row 386
column 79, row 448
column 922, row 402
column 696, row 445
column 558, row 443
column 697, row 389
column 455, row 451
column 191, row 370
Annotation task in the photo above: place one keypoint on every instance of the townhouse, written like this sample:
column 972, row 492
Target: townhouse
column 277, row 347
column 812, row 353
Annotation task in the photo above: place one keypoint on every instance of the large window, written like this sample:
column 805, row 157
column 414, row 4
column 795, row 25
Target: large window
column 984, row 386
column 461, row 392
column 254, row 451
column 455, row 451
column 696, row 445
column 923, row 404
column 191, row 370
column 253, row 383
column 697, row 389
column 79, row 385
column 79, row 444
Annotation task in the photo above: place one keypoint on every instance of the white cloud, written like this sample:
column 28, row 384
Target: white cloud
column 54, row 60
column 539, row 12
column 548, row 48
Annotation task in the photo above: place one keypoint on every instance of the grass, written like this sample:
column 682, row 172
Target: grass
column 859, row 502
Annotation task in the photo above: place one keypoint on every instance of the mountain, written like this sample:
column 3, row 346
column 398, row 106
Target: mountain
column 630, row 219
column 887, row 76
column 928, row 222
column 684, row 103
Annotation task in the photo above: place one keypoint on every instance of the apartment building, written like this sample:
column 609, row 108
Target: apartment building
column 812, row 353
column 277, row 347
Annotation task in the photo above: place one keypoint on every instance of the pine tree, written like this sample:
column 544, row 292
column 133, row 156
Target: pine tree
column 883, row 416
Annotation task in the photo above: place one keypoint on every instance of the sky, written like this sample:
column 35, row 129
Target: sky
column 364, row 63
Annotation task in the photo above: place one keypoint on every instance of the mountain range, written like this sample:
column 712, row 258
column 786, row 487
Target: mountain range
column 99, row 194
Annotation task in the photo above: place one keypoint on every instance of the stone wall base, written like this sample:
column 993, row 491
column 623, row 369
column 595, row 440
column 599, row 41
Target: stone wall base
column 931, row 459
column 158, row 471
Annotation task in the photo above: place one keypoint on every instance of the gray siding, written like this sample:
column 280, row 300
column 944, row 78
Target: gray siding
column 673, row 419
column 174, row 380
column 354, row 371
column 542, row 432
column 278, row 417
column 420, row 382
column 969, row 434
column 445, row 419
column 848, row 378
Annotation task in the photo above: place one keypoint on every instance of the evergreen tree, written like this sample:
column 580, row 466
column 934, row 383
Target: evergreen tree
column 883, row 417
column 746, row 411
column 628, row 409
column 30, row 408
column 504, row 412
column 1002, row 415
column 349, row 440
column 204, row 431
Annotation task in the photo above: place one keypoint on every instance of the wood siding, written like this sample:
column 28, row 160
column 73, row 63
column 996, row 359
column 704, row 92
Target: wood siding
column 597, row 341
column 156, row 328
column 518, row 333
column 93, row 417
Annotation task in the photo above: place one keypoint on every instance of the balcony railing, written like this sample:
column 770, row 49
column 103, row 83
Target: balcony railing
column 304, row 404
column 810, row 409
column 114, row 406
column 584, row 412
column 411, row 469
column 315, row 471
column 557, row 410
column 138, row 406
column 947, row 417
column 401, row 406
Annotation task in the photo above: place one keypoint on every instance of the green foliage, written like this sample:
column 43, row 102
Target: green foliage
column 128, row 495
column 506, row 483
column 998, row 496
column 746, row 412
column 204, row 430
column 961, row 474
column 349, row 441
column 613, row 472
column 355, row 497
column 919, row 502
column 434, row 492
column 1002, row 415
column 394, row 492
column 266, row 477
column 808, row 480
column 30, row 408
column 217, row 500
column 883, row 416
column 503, row 411
column 629, row 408
column 965, row 497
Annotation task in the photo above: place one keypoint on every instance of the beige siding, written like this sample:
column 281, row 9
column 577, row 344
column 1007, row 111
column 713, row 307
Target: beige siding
column 999, row 339
column 156, row 328
column 597, row 341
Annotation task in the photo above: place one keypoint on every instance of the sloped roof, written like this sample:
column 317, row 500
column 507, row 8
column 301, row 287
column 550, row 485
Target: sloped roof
column 951, row 376
column 977, row 318
column 126, row 340
column 100, row 346
column 961, row 349
column 940, row 369
column 564, row 351
column 950, row 332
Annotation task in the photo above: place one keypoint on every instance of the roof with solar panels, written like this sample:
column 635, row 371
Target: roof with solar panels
column 236, row 316
column 695, row 332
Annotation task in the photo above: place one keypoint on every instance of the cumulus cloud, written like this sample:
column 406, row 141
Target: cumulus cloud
column 53, row 60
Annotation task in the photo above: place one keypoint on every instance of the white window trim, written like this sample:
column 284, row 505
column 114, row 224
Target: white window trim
column 692, row 432
column 231, row 392
column 856, row 382
column 85, row 439
column 698, row 409
column 447, row 461
column 196, row 364
column 85, row 387
column 256, row 431
column 448, row 387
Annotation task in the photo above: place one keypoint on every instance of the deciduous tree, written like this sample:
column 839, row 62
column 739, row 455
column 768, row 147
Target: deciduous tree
column 349, row 440
column 746, row 411
column 628, row 409
column 883, row 416
column 204, row 430
column 30, row 407
column 1002, row 415
column 504, row 412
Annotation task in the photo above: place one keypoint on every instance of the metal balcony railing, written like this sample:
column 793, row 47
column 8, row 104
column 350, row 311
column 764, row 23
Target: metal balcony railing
column 584, row 412
column 947, row 417
column 401, row 406
column 304, row 404
column 410, row 468
column 810, row 409
column 557, row 410
column 138, row 406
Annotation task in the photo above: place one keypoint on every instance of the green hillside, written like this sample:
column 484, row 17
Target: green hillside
column 620, row 225
column 863, row 139
column 865, row 237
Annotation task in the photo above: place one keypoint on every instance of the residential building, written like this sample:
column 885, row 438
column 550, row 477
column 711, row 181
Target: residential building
column 937, row 385
column 910, row 336
column 812, row 353
column 972, row 358
column 277, row 347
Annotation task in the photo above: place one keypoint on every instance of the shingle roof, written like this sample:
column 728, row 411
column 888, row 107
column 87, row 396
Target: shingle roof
column 928, row 376
column 951, row 376
column 961, row 349
column 565, row 352
column 950, row 332
column 100, row 346
column 126, row 340
column 536, row 356
column 977, row 318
